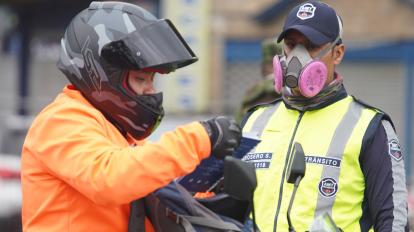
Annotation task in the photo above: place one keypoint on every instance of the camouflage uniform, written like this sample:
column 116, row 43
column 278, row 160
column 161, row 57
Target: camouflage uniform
column 262, row 91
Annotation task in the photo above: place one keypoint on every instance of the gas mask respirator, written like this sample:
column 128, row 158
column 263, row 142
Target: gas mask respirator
column 299, row 69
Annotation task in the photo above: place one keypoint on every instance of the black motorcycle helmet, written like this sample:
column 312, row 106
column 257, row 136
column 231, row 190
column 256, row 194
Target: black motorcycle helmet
column 104, row 42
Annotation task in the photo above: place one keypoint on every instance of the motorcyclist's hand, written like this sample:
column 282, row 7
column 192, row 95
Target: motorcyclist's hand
column 225, row 135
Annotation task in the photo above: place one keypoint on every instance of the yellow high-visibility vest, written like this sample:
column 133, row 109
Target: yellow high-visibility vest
column 331, row 138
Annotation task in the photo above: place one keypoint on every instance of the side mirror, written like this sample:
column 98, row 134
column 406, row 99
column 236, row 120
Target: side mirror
column 239, row 178
column 297, row 166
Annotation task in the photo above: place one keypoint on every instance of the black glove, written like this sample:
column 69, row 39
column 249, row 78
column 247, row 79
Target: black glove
column 225, row 135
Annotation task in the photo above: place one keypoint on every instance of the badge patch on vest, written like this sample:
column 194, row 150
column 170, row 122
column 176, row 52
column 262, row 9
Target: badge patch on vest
column 260, row 160
column 394, row 149
column 328, row 187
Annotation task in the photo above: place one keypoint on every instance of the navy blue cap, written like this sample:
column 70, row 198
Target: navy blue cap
column 315, row 20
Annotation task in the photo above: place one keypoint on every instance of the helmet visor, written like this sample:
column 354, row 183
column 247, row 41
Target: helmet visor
column 158, row 47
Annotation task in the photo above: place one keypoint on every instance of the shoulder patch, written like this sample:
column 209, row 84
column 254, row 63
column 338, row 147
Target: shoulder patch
column 394, row 149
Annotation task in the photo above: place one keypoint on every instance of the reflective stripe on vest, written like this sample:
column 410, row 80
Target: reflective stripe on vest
column 331, row 138
column 336, row 150
column 400, row 218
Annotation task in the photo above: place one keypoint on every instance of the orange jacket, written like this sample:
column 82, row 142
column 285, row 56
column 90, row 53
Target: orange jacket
column 80, row 174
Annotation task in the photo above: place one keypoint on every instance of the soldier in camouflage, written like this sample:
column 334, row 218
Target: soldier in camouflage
column 262, row 91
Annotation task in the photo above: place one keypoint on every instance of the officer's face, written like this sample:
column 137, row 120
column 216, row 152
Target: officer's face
column 141, row 82
column 331, row 58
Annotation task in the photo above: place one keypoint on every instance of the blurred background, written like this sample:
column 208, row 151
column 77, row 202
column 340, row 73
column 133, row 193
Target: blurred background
column 226, row 36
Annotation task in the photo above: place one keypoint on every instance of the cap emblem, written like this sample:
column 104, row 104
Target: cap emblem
column 306, row 11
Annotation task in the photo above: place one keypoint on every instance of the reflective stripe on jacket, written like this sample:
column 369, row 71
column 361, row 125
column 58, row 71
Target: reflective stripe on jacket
column 331, row 138
column 79, row 173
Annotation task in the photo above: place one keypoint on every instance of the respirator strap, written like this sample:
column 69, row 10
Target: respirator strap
column 327, row 49
column 333, row 44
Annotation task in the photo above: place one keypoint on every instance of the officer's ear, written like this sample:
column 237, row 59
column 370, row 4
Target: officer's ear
column 338, row 53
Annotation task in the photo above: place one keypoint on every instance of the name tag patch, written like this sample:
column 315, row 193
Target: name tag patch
column 333, row 162
column 260, row 160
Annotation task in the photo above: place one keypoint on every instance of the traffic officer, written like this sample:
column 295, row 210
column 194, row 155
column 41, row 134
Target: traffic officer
column 354, row 164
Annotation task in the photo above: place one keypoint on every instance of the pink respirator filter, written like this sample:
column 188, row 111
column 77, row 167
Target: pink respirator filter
column 277, row 72
column 312, row 78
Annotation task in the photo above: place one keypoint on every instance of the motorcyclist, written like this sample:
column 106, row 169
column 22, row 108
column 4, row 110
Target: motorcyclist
column 85, row 157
